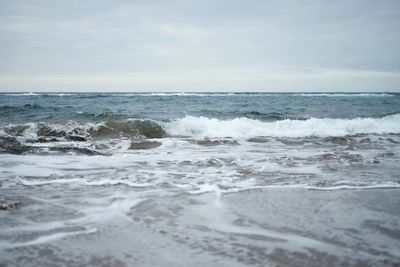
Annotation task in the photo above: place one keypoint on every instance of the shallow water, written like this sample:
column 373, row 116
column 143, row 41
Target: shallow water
column 235, row 179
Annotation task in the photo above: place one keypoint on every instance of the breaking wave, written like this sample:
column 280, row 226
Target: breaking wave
column 75, row 131
column 203, row 127
column 244, row 128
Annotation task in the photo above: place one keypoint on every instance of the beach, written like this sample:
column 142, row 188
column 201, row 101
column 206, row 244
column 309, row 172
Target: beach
column 186, row 179
column 265, row 227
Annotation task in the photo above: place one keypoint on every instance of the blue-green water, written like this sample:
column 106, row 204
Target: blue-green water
column 32, row 107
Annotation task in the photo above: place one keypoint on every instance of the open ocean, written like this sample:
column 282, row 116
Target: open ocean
column 194, row 179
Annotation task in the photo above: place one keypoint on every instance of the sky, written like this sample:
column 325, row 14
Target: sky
column 207, row 45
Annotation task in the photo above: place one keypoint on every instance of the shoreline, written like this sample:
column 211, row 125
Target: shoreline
column 263, row 227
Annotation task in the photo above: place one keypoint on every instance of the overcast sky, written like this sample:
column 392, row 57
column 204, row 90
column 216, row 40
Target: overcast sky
column 202, row 45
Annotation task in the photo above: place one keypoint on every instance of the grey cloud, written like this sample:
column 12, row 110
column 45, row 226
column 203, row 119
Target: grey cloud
column 246, row 44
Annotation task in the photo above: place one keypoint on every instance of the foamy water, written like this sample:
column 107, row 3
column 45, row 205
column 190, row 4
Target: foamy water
column 242, row 128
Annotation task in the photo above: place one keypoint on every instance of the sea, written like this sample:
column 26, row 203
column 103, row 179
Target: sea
column 191, row 179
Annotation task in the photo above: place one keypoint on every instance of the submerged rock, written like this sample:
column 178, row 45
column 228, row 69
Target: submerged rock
column 101, row 146
column 116, row 129
column 45, row 130
column 208, row 142
column 11, row 145
column 259, row 140
column 16, row 130
column 339, row 140
column 144, row 145
column 76, row 138
column 291, row 141
column 9, row 204
column 45, row 140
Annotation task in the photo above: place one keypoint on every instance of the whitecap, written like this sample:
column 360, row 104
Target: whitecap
column 245, row 128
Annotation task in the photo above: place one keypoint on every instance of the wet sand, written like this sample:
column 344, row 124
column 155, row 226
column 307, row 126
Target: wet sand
column 264, row 227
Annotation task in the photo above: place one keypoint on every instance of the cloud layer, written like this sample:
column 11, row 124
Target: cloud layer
column 264, row 45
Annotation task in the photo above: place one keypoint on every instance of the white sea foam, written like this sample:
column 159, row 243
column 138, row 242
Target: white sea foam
column 207, row 188
column 46, row 238
column 244, row 128
column 81, row 181
column 59, row 94
column 355, row 187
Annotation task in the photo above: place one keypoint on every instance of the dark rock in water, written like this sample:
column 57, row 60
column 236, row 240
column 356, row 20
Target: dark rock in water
column 338, row 140
column 291, row 142
column 76, row 138
column 212, row 162
column 11, row 145
column 351, row 157
column 185, row 163
column 45, row 130
column 365, row 141
column 323, row 183
column 46, row 140
column 144, row 145
column 17, row 130
column 208, row 142
column 101, row 146
column 258, row 140
column 9, row 204
column 80, row 150
column 327, row 156
column 116, row 129
column 392, row 141
column 386, row 155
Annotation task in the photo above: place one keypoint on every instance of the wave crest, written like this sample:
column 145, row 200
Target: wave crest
column 245, row 128
column 75, row 131
column 202, row 127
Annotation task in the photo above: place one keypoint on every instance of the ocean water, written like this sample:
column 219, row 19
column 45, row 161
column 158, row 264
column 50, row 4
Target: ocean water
column 288, row 179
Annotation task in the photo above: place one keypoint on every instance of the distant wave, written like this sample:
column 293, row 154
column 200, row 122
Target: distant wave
column 243, row 128
column 7, row 110
column 166, row 94
column 27, row 107
column 345, row 94
column 59, row 94
column 38, row 94
column 176, row 94
column 21, row 94
column 203, row 94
